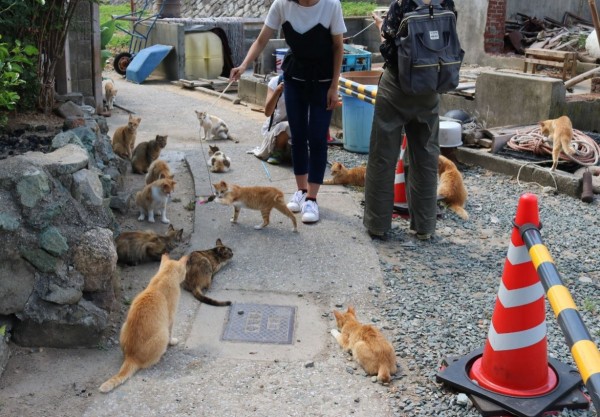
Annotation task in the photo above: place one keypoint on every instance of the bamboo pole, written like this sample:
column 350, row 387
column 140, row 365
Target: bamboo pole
column 581, row 77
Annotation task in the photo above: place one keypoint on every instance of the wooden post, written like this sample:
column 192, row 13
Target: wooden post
column 595, row 19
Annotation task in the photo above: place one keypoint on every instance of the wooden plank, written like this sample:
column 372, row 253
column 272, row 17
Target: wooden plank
column 546, row 53
column 558, row 64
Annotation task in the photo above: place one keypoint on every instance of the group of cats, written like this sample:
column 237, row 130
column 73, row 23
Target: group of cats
column 451, row 188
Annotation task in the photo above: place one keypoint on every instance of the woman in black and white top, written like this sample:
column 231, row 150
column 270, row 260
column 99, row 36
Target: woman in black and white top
column 313, row 30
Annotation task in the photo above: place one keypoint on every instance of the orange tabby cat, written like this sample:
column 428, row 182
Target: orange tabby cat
column 451, row 187
column 110, row 93
column 264, row 199
column 148, row 329
column 201, row 268
column 146, row 153
column 345, row 176
column 123, row 139
column 155, row 196
column 137, row 247
column 158, row 170
column 560, row 132
column 368, row 345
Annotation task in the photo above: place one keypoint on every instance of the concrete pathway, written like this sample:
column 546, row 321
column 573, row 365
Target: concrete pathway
column 320, row 268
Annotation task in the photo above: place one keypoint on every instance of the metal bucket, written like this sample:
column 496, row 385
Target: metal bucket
column 170, row 8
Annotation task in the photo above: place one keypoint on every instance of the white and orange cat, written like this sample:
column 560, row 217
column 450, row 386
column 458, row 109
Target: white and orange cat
column 369, row 347
column 123, row 140
column 347, row 176
column 110, row 93
column 560, row 132
column 263, row 199
column 158, row 170
column 148, row 329
column 451, row 187
column 154, row 197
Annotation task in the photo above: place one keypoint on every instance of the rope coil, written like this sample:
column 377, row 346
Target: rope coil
column 587, row 151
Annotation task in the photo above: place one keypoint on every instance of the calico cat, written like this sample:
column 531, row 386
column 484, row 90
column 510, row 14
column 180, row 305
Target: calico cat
column 148, row 329
column 218, row 162
column 451, row 187
column 560, row 132
column 110, row 93
column 146, row 153
column 201, row 268
column 123, row 139
column 368, row 345
column 158, row 170
column 264, row 199
column 212, row 127
column 155, row 196
column 134, row 248
column 344, row 176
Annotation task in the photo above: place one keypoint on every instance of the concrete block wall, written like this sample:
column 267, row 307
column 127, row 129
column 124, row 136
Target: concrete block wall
column 80, row 48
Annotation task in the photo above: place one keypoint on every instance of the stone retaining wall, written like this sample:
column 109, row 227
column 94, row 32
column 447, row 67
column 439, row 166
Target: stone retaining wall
column 57, row 258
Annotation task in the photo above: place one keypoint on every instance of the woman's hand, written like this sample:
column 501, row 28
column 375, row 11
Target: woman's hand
column 237, row 72
column 332, row 97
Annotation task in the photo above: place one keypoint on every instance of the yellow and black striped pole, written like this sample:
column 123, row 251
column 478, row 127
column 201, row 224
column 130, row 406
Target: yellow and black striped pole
column 356, row 94
column 583, row 349
column 359, row 88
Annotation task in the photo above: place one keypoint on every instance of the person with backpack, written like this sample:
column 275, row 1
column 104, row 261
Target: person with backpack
column 413, row 109
column 276, row 146
column 313, row 30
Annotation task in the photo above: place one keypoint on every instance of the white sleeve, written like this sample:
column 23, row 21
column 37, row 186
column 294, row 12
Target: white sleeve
column 273, row 83
column 337, row 19
column 275, row 15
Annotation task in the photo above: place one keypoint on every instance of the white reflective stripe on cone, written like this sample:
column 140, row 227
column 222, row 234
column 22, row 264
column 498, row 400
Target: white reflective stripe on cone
column 399, row 178
column 520, row 296
column 518, row 254
column 516, row 340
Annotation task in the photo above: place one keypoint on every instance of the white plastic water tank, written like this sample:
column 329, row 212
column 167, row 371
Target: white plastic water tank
column 203, row 55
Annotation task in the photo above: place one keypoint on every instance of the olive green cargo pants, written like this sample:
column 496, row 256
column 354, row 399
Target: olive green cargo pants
column 418, row 116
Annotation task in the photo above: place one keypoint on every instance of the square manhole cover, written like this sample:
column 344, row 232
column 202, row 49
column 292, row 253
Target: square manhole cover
column 260, row 323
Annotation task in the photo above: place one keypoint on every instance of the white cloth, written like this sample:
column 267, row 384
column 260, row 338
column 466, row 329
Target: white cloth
column 279, row 125
column 326, row 12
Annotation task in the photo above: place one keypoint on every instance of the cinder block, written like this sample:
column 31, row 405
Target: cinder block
column 516, row 99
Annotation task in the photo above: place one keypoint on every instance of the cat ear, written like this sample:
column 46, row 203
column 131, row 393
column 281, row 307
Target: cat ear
column 219, row 243
column 338, row 316
column 171, row 228
column 184, row 259
column 164, row 257
column 351, row 310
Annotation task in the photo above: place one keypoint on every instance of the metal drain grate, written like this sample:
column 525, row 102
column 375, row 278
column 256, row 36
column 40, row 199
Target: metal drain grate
column 260, row 323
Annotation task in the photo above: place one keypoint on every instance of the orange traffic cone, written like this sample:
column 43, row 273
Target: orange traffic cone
column 400, row 202
column 515, row 359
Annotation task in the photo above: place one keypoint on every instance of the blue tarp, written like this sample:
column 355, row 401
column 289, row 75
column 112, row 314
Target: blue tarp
column 145, row 61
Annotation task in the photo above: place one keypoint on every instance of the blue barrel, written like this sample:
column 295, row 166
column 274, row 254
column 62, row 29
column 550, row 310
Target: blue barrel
column 357, row 118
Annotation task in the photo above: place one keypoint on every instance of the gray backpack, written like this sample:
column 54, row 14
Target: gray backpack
column 429, row 52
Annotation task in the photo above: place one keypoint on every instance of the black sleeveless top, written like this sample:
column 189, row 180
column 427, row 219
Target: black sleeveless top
column 311, row 54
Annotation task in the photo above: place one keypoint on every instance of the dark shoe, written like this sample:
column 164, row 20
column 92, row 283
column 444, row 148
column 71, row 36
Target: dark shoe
column 423, row 236
column 378, row 236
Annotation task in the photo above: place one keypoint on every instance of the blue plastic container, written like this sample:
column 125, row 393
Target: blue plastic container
column 357, row 118
column 145, row 61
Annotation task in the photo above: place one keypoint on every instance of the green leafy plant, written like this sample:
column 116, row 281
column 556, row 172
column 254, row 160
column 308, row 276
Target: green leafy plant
column 3, row 330
column 14, row 61
column 107, row 30
column 357, row 8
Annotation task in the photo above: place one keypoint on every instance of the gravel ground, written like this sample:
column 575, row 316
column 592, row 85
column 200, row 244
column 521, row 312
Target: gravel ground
column 438, row 297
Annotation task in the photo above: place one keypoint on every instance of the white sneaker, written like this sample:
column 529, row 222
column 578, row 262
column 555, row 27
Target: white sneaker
column 295, row 204
column 310, row 212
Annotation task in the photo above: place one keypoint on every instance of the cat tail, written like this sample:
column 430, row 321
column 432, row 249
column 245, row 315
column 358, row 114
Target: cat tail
column 383, row 374
column 460, row 211
column 128, row 368
column 207, row 300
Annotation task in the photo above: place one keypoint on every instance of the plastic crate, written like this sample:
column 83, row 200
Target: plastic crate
column 355, row 59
